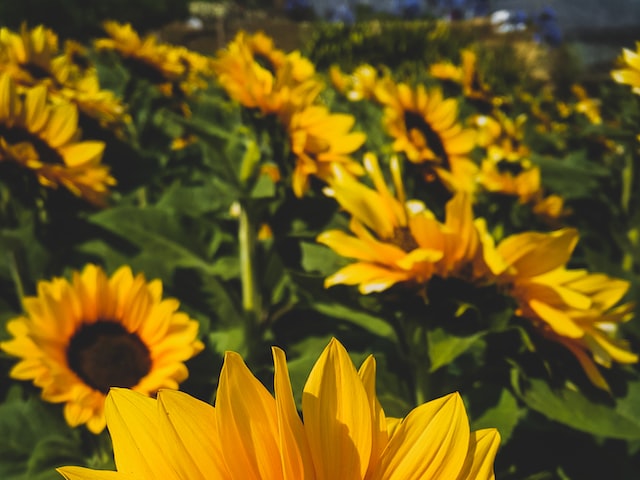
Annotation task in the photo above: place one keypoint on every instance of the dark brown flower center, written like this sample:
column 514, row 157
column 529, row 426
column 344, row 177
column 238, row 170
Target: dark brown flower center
column 147, row 70
column 415, row 121
column 36, row 71
column 104, row 354
column 402, row 238
column 265, row 62
column 512, row 168
column 16, row 135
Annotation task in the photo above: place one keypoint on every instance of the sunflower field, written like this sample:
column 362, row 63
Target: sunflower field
column 400, row 259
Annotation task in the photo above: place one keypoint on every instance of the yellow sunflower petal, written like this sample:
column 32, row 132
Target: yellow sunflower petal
column 431, row 442
column 137, row 442
column 189, row 425
column 337, row 416
column 297, row 462
column 80, row 473
column 482, row 451
column 247, row 421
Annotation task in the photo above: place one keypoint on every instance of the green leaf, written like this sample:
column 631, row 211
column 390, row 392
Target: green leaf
column 573, row 176
column 197, row 200
column 320, row 259
column 371, row 323
column 504, row 416
column 444, row 347
column 165, row 242
column 573, row 408
column 34, row 439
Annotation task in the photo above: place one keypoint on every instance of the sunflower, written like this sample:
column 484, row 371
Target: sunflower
column 256, row 74
column 44, row 138
column 77, row 339
column 251, row 434
column 589, row 107
column 506, row 167
column 575, row 308
column 359, row 85
column 174, row 70
column 32, row 57
column 399, row 241
column 466, row 75
column 29, row 56
column 319, row 139
column 630, row 74
column 425, row 128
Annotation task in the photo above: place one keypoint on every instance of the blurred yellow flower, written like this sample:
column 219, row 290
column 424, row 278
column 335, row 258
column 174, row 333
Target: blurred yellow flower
column 466, row 75
column 320, row 138
column 77, row 339
column 359, row 85
column 426, row 129
column 175, row 70
column 251, row 434
column 630, row 74
column 32, row 57
column 44, row 138
column 572, row 307
column 258, row 75
column 589, row 107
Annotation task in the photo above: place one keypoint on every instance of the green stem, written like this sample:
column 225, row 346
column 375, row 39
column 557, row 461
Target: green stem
column 15, row 275
column 423, row 376
column 251, row 299
column 246, row 239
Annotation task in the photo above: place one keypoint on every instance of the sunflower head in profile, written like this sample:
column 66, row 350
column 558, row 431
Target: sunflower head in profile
column 573, row 307
column 425, row 128
column 43, row 137
column 79, row 338
column 398, row 241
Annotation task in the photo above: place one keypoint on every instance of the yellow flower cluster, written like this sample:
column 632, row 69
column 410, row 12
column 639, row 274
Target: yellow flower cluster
column 264, row 78
column 43, row 91
column 33, row 57
column 399, row 241
column 176, row 71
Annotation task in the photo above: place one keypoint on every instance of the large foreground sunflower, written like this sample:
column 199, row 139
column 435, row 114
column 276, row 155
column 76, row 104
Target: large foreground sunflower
column 43, row 137
column 250, row 435
column 78, row 339
column 425, row 128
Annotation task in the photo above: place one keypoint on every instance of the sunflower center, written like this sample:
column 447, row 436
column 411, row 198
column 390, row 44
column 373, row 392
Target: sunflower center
column 35, row 70
column 402, row 238
column 415, row 121
column 265, row 62
column 82, row 61
column 146, row 69
column 104, row 354
column 512, row 168
column 16, row 135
